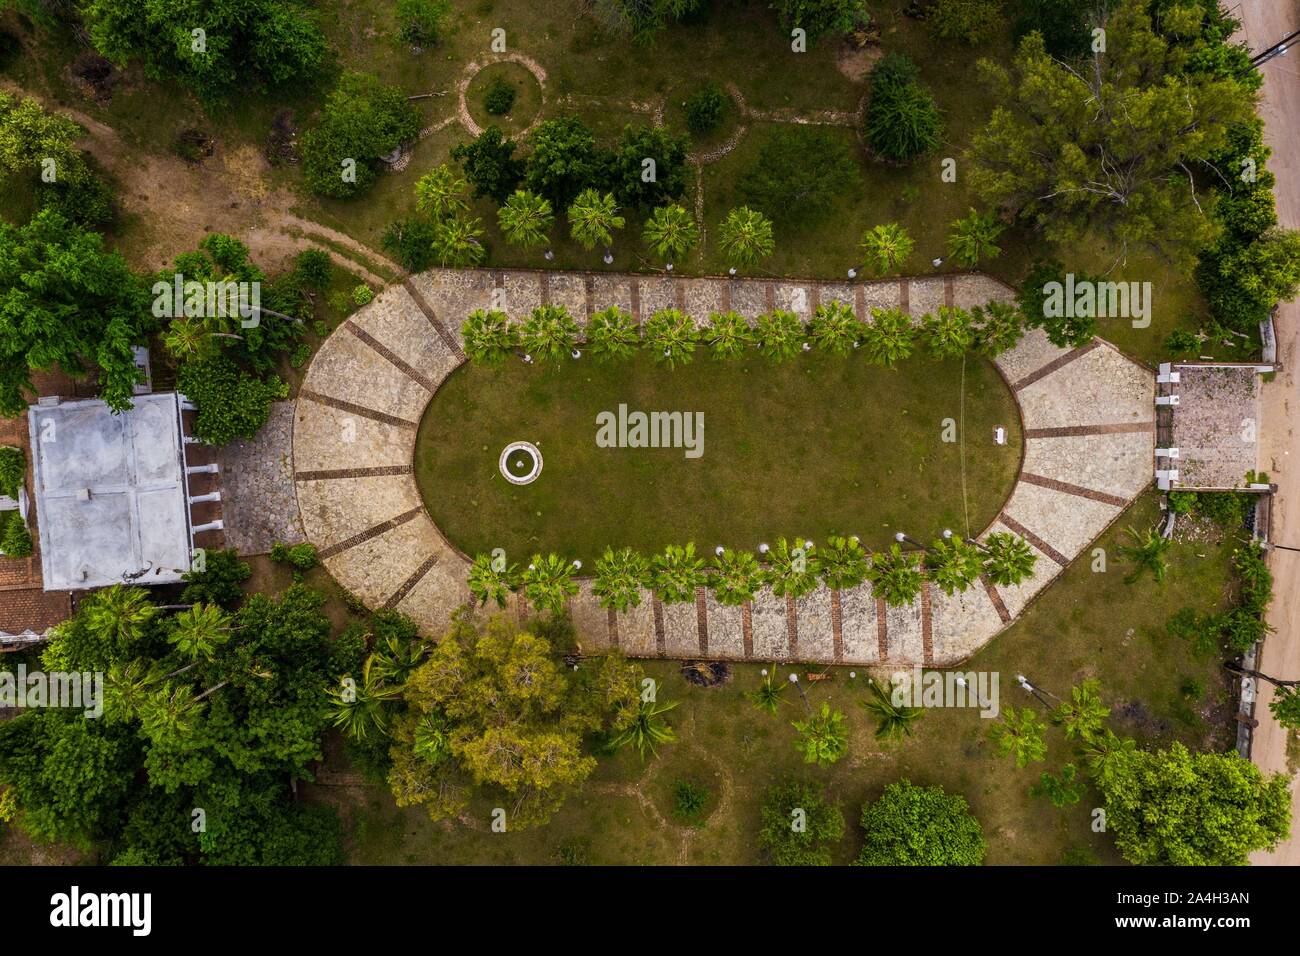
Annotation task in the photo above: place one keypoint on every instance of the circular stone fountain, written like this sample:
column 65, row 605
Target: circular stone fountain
column 520, row 463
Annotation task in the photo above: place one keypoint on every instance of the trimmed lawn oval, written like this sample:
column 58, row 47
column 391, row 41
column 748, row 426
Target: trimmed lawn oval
column 813, row 446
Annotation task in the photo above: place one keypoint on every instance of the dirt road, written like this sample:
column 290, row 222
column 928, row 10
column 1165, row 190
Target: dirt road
column 1264, row 23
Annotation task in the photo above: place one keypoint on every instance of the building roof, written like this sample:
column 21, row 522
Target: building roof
column 110, row 492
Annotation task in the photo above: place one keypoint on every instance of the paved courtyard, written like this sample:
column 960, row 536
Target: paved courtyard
column 1088, row 416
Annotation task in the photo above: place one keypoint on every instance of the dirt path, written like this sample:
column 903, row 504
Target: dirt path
column 1265, row 22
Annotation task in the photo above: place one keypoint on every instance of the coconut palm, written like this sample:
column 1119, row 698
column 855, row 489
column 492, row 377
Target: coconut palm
column 169, row 713
column 947, row 332
column 792, row 567
column 954, row 564
column 889, row 337
column 676, row 573
column 974, row 238
column 644, row 728
column 612, row 334
column 620, row 576
column 768, row 694
column 189, row 339
column 549, row 333
column 729, row 334
column 998, row 326
column 119, row 615
column 593, row 217
column 456, row 242
column 432, row 742
column 896, row 719
column 886, row 247
column 126, row 686
column 746, row 237
column 489, row 336
column 1083, row 715
column 548, row 582
column 672, row 335
column 1147, row 553
column 441, row 192
column 671, row 232
column 1019, row 734
column 360, row 707
column 823, row 738
column 895, row 576
column 199, row 631
column 736, row 576
column 780, row 334
column 492, row 579
column 1008, row 559
column 835, row 328
column 843, row 562
column 526, row 219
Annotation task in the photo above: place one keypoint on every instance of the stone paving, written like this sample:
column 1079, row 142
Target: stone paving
column 1088, row 423
column 258, row 503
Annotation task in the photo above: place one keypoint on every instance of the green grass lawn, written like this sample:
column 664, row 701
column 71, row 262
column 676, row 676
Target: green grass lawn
column 1086, row 625
column 811, row 446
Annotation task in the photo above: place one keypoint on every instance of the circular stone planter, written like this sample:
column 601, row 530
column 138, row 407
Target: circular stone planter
column 515, row 451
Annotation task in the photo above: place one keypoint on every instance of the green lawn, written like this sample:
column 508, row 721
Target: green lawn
column 804, row 447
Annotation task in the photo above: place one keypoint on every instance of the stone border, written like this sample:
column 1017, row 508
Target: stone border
column 1087, row 417
column 473, row 70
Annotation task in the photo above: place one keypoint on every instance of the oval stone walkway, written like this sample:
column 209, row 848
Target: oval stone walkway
column 1088, row 417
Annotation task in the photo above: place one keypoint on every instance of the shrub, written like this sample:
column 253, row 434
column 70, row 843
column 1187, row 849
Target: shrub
column 920, row 826
column 704, row 108
column 490, row 164
column 420, row 21
column 626, row 168
column 821, row 17
column 1200, row 630
column 499, row 98
column 410, row 242
column 1182, row 342
column 15, row 539
column 689, row 801
column 1227, row 508
column 362, row 120
column 362, row 294
column 312, row 269
column 220, row 582
column 300, row 557
column 231, row 403
column 971, row 21
column 13, row 469
column 799, row 826
column 902, row 120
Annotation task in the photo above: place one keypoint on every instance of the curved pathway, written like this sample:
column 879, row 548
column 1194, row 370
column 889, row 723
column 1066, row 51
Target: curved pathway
column 1088, row 417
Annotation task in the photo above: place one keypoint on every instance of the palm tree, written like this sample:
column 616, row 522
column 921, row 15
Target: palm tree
column 736, row 576
column 492, row 579
column 843, row 562
column 746, row 237
column 780, row 335
column 792, row 568
column 729, row 334
column 886, row 246
column 489, row 336
column 998, row 327
column 549, row 332
column 896, row 719
column 526, row 219
column 672, row 335
column 189, row 340
column 432, row 739
column 1147, row 553
column 169, row 713
column 456, row 242
column 620, row 576
column 441, row 193
column 954, row 564
column 644, row 728
column 199, row 631
column 974, row 238
column 895, row 576
column 835, row 328
column 1083, row 715
column 1008, row 559
column 823, row 738
column 768, row 695
column 593, row 217
column 677, row 572
column 671, row 232
column 889, row 337
column 1019, row 734
column 120, row 615
column 613, row 334
column 947, row 332
column 359, row 708
column 396, row 657
column 548, row 582
column 126, row 687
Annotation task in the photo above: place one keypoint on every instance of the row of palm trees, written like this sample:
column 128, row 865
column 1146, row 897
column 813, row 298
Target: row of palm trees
column 551, row 333
column 790, row 569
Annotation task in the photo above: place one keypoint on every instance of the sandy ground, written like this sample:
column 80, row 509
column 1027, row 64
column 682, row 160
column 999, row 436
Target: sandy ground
column 1265, row 22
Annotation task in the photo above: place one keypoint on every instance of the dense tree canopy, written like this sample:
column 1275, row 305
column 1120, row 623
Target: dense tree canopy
column 38, row 149
column 920, row 826
column 362, row 121
column 799, row 825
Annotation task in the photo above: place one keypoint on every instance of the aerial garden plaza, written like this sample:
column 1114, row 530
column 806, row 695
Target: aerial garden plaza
column 599, row 432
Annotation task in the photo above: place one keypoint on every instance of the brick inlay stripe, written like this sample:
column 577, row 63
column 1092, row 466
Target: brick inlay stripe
column 409, row 584
column 769, row 296
column 1033, row 539
column 330, row 474
column 702, row 620
column 611, row 623
column 634, row 299
column 949, row 292
column 679, row 294
column 661, row 644
column 1077, row 431
column 544, row 287
column 792, row 625
column 882, row 631
column 396, row 360
column 837, row 627
column 814, row 299
column 588, row 293
column 998, row 605
column 905, row 296
column 369, row 533
column 364, row 412
column 423, row 304
column 927, row 626
column 726, row 297
column 860, row 303
column 747, row 628
column 1055, row 364
column 1076, row 490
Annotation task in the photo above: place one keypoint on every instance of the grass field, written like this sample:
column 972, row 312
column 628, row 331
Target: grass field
column 812, row 446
